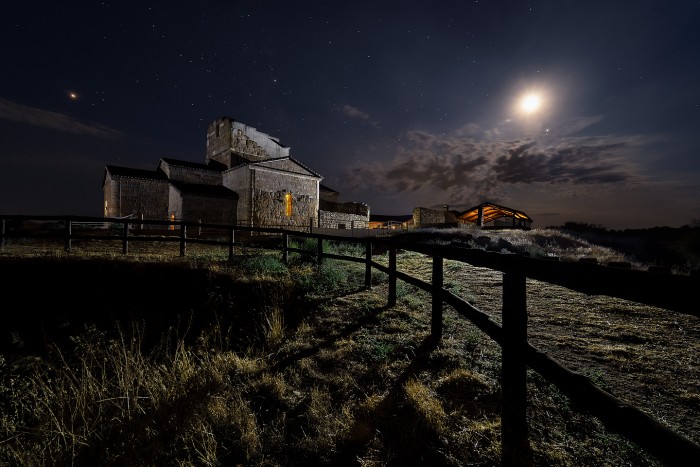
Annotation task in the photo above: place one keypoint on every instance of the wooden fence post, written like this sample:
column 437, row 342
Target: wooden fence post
column 231, row 233
column 392, row 276
column 125, row 238
column 68, row 231
column 319, row 252
column 285, row 248
column 183, row 241
column 368, row 264
column 515, row 447
column 436, row 319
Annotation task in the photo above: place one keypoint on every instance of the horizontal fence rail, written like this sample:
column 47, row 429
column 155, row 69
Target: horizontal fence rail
column 672, row 292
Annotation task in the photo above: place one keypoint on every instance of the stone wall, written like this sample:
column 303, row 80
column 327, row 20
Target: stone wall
column 269, row 201
column 247, row 140
column 340, row 220
column 270, row 209
column 424, row 217
column 225, row 135
column 218, row 139
column 124, row 196
column 208, row 209
column 238, row 180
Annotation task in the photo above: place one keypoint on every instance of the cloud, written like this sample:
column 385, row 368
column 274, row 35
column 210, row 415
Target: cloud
column 469, row 165
column 56, row 121
column 354, row 112
column 569, row 126
column 585, row 164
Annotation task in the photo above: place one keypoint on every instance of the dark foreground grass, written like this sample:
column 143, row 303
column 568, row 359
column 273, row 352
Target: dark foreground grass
column 298, row 366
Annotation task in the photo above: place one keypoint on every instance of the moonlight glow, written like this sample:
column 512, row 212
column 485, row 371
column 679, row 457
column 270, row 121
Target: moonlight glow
column 530, row 103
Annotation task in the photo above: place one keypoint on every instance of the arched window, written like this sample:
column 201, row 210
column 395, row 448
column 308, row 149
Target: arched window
column 288, row 204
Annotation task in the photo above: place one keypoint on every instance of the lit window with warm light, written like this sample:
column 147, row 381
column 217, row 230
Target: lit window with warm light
column 288, row 204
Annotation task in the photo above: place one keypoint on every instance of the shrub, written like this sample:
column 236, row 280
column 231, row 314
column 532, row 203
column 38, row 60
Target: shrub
column 260, row 265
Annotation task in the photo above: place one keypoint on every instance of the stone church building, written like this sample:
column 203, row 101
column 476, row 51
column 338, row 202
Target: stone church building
column 248, row 179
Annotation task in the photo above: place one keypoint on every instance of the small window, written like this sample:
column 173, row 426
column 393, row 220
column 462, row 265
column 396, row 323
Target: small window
column 288, row 204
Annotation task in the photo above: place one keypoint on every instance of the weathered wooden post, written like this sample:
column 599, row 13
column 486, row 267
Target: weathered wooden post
column 319, row 252
column 183, row 239
column 231, row 233
column 68, row 231
column 515, row 447
column 125, row 238
column 368, row 264
column 285, row 248
column 392, row 275
column 436, row 319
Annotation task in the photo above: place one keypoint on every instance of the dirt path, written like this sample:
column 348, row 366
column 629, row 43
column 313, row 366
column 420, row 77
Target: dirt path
column 648, row 357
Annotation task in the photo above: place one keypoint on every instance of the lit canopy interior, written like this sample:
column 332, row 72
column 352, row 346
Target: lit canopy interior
column 491, row 212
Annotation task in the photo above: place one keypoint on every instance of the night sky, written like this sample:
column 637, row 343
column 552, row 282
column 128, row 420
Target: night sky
column 396, row 104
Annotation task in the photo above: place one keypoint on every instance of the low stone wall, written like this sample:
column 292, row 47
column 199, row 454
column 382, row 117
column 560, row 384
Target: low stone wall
column 341, row 220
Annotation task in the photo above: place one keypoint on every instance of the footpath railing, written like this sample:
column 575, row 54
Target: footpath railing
column 676, row 293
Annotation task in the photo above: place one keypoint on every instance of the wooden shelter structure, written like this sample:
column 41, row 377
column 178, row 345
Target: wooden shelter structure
column 493, row 216
column 379, row 221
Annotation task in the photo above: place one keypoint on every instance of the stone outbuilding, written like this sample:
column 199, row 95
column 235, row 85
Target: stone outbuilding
column 425, row 217
column 248, row 179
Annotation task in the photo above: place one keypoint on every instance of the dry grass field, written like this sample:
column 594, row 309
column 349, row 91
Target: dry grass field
column 303, row 366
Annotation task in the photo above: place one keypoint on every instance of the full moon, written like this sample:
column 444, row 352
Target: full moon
column 530, row 103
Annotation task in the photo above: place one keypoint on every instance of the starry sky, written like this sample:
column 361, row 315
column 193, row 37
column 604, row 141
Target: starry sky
column 395, row 104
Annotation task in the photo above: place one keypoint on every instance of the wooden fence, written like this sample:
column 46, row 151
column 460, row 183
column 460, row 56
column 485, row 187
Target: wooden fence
column 673, row 292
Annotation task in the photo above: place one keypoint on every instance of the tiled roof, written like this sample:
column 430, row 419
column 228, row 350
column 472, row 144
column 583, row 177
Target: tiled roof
column 135, row 173
column 491, row 211
column 216, row 167
column 288, row 158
